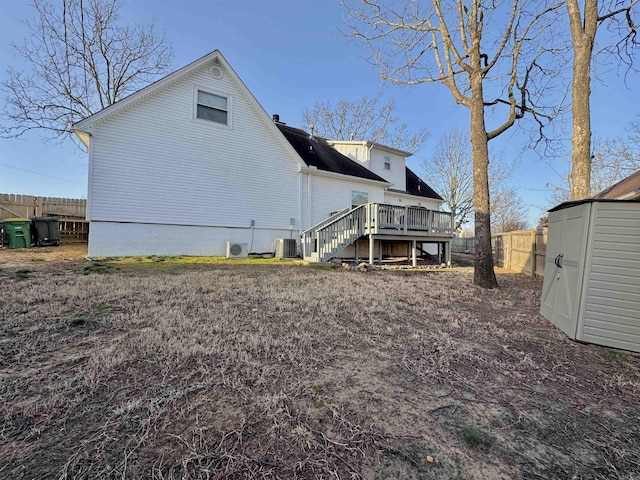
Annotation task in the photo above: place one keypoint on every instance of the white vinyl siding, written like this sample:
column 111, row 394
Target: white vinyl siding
column 395, row 174
column 330, row 194
column 411, row 200
column 154, row 162
column 359, row 153
column 375, row 160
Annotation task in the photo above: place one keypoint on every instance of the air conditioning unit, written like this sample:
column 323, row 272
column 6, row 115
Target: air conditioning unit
column 286, row 248
column 237, row 250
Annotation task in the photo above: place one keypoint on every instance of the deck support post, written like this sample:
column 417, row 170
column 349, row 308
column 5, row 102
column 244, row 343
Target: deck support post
column 380, row 252
column 406, row 219
column 414, row 261
column 355, row 245
column 439, row 252
column 370, row 249
column 447, row 249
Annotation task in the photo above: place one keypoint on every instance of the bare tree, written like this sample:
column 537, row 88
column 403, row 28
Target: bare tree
column 79, row 59
column 508, row 211
column 363, row 119
column 612, row 160
column 584, row 25
column 498, row 67
column 450, row 173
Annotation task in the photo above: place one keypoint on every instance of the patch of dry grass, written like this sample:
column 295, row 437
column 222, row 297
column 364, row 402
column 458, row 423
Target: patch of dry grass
column 264, row 371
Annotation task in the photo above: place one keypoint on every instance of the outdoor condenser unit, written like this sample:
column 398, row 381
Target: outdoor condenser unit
column 286, row 248
column 237, row 250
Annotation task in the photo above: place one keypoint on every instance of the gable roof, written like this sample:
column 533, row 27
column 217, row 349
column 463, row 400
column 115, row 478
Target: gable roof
column 151, row 88
column 627, row 188
column 316, row 152
column 82, row 128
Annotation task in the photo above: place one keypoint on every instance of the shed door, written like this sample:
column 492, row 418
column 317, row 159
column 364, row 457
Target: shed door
column 564, row 265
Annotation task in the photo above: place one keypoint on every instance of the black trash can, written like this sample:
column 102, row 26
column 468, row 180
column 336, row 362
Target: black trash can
column 45, row 231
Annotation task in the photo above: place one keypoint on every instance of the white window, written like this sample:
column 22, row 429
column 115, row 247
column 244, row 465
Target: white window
column 359, row 198
column 212, row 107
column 387, row 163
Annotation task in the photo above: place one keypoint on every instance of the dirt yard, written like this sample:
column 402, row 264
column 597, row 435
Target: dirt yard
column 165, row 370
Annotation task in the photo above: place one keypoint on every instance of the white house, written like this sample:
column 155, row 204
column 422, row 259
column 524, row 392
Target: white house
column 192, row 162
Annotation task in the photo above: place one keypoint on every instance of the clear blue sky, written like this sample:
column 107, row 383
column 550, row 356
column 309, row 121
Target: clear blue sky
column 290, row 55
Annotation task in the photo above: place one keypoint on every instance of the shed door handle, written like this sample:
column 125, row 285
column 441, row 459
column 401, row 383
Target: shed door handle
column 558, row 261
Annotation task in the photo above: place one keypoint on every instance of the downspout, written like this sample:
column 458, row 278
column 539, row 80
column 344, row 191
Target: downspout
column 369, row 156
column 309, row 222
column 300, row 224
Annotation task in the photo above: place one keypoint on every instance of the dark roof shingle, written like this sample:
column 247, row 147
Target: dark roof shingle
column 316, row 152
column 416, row 186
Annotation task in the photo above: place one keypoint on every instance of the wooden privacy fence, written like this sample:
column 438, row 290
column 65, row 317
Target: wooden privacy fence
column 74, row 231
column 28, row 206
column 521, row 251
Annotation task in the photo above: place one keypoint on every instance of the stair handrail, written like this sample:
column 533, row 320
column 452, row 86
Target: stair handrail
column 361, row 229
column 326, row 221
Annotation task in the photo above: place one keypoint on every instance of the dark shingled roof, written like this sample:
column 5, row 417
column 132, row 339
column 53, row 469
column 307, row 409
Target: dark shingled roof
column 624, row 187
column 416, row 186
column 316, row 152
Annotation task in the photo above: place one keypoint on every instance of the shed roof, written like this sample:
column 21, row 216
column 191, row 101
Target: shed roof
column 573, row 203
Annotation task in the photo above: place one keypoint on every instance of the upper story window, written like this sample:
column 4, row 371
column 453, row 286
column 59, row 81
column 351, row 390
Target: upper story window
column 212, row 107
column 387, row 163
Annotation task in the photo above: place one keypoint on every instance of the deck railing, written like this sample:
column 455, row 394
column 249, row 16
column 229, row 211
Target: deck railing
column 344, row 228
column 409, row 220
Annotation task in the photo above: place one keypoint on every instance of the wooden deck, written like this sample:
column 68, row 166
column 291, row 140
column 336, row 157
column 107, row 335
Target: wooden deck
column 378, row 221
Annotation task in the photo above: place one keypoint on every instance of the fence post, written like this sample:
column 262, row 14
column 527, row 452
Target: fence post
column 38, row 207
column 509, row 246
column 533, row 254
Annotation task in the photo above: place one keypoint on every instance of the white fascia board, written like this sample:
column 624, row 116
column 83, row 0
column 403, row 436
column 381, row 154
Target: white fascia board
column 341, row 176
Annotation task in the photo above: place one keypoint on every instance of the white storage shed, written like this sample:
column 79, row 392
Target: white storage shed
column 591, row 288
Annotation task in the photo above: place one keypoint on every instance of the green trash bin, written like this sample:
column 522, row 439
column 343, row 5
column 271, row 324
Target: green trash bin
column 19, row 232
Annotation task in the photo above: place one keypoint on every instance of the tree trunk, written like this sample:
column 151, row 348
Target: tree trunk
column 483, row 274
column 583, row 36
